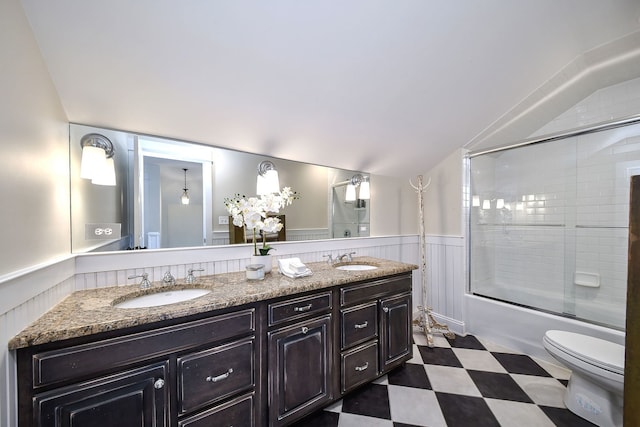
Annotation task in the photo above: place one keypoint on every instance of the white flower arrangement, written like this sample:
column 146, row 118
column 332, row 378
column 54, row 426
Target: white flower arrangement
column 253, row 213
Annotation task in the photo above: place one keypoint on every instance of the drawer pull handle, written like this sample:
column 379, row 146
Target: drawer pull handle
column 305, row 329
column 363, row 367
column 361, row 325
column 158, row 384
column 303, row 308
column 220, row 377
column 385, row 309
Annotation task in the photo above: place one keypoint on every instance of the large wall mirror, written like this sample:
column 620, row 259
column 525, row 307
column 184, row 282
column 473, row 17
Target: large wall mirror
column 144, row 209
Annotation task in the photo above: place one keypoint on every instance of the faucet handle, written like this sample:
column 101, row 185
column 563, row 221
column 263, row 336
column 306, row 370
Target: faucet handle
column 144, row 283
column 168, row 279
column 350, row 256
column 329, row 258
column 190, row 276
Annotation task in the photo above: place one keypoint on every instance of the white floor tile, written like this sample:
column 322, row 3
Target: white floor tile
column 415, row 406
column 417, row 359
column 542, row 390
column 491, row 346
column 518, row 414
column 352, row 420
column 478, row 360
column 556, row 371
column 451, row 380
column 335, row 406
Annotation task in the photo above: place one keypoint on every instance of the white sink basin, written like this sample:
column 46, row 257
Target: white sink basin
column 162, row 298
column 356, row 267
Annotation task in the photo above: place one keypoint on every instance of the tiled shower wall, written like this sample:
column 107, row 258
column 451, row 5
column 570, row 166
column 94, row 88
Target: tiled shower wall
column 566, row 213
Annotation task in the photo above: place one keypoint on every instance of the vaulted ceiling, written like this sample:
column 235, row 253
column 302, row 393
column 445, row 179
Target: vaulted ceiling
column 386, row 86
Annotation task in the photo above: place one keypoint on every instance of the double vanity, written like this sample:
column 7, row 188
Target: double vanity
column 243, row 353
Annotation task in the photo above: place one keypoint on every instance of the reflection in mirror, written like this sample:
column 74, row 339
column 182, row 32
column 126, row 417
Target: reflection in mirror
column 145, row 204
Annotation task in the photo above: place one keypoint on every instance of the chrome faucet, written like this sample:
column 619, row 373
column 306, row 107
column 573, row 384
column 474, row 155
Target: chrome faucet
column 329, row 258
column 144, row 283
column 191, row 279
column 348, row 256
column 168, row 279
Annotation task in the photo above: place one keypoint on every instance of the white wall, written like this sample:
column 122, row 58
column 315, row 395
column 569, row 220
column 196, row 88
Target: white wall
column 34, row 165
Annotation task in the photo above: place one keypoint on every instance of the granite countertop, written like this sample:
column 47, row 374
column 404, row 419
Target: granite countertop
column 91, row 311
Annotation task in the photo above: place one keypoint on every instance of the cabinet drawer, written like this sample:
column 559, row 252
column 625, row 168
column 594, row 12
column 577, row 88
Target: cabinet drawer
column 359, row 366
column 79, row 361
column 238, row 412
column 370, row 290
column 296, row 308
column 214, row 374
column 359, row 324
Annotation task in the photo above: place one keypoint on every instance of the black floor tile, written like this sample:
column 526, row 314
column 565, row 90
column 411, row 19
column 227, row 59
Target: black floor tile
column 562, row 417
column 319, row 419
column 465, row 411
column 372, row 400
column 468, row 341
column 439, row 356
column 520, row 364
column 498, row 386
column 410, row 375
column 403, row 425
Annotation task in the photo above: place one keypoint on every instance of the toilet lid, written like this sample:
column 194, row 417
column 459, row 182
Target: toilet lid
column 604, row 354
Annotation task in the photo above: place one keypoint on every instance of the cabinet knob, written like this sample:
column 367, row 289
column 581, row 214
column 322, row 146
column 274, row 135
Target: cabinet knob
column 158, row 384
column 305, row 329
column 220, row 377
column 385, row 309
column 363, row 367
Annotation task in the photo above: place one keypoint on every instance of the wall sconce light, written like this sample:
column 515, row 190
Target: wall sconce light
column 185, row 193
column 97, row 160
column 475, row 201
column 486, row 204
column 268, row 181
column 357, row 181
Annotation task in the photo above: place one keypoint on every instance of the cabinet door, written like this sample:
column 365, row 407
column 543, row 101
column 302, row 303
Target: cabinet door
column 299, row 369
column 395, row 330
column 134, row 398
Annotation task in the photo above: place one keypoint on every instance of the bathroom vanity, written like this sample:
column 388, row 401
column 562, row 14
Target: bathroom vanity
column 249, row 353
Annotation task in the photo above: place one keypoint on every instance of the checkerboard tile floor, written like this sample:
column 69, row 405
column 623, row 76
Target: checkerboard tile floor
column 458, row 383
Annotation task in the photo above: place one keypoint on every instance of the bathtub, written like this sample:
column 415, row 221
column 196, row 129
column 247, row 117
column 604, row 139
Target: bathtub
column 521, row 328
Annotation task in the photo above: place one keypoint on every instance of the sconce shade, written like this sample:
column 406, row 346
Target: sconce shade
column 364, row 190
column 499, row 203
column 106, row 175
column 486, row 204
column 268, row 181
column 97, row 160
column 475, row 201
column 350, row 195
column 93, row 159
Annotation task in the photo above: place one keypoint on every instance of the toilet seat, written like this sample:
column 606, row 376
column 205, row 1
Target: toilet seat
column 593, row 351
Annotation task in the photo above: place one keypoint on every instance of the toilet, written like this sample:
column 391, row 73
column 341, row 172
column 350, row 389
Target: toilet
column 595, row 390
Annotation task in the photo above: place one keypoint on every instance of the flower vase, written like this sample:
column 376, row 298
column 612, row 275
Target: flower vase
column 264, row 260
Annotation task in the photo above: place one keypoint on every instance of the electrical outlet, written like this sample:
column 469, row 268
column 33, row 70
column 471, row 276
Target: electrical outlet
column 223, row 220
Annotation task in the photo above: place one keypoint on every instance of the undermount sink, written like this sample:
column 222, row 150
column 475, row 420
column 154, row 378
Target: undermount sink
column 162, row 298
column 356, row 267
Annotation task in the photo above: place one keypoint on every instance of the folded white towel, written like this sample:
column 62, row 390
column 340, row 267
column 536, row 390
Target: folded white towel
column 293, row 267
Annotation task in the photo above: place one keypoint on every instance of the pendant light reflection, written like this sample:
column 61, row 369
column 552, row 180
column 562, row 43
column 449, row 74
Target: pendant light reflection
column 267, row 182
column 97, row 160
column 185, row 193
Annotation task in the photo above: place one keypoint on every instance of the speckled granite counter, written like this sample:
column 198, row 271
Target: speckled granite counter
column 91, row 311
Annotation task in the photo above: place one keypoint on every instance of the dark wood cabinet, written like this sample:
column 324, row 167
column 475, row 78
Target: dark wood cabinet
column 395, row 330
column 300, row 369
column 136, row 398
column 375, row 329
column 268, row 363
